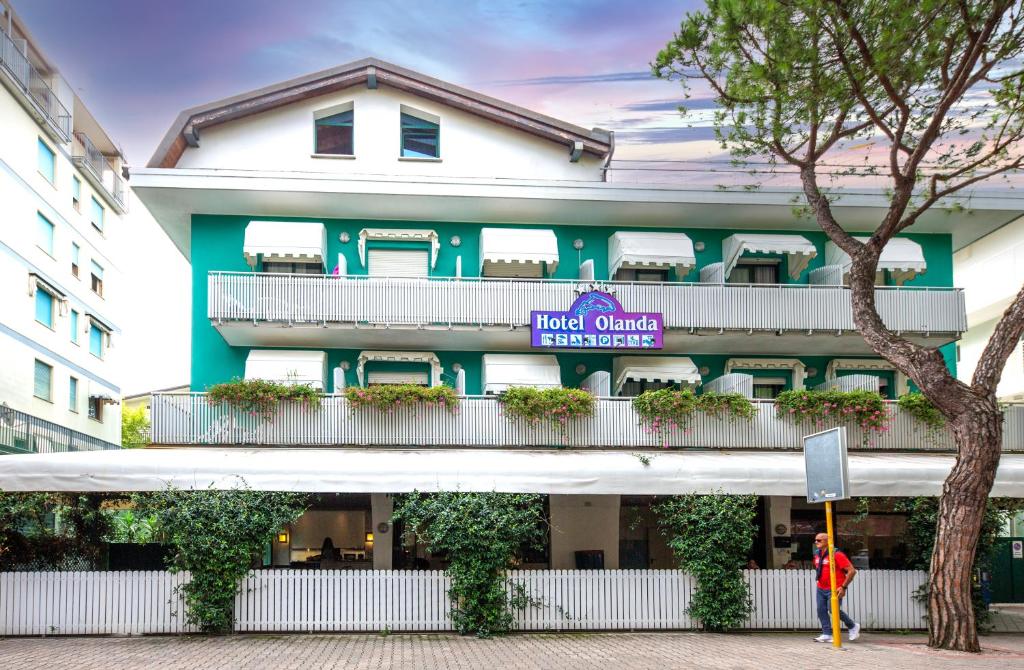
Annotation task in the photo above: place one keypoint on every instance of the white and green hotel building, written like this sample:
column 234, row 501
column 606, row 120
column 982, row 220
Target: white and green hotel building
column 371, row 225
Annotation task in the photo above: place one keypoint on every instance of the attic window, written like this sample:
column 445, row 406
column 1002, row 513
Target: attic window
column 421, row 134
column 334, row 128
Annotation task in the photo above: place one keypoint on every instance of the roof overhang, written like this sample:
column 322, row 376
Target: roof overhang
column 173, row 196
column 478, row 470
column 371, row 72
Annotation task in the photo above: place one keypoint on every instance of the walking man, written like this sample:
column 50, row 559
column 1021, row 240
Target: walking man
column 844, row 575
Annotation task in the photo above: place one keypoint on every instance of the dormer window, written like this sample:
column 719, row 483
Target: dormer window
column 421, row 134
column 334, row 131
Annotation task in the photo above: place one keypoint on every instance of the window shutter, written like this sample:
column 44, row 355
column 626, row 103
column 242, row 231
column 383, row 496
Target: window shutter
column 397, row 262
column 384, row 377
column 43, row 375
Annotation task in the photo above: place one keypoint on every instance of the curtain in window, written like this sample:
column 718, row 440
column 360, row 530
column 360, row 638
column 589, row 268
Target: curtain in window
column 419, row 137
column 334, row 134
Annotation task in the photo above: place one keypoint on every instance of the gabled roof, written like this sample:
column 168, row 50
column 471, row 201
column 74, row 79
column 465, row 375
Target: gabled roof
column 184, row 132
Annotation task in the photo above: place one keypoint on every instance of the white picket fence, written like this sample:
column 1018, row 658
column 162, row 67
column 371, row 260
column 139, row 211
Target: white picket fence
column 135, row 603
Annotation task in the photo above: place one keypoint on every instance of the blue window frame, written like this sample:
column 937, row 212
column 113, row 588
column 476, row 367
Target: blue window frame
column 74, row 326
column 44, row 307
column 73, row 395
column 47, row 162
column 45, row 233
column 334, row 134
column 95, row 341
column 96, row 214
column 420, row 138
column 42, row 385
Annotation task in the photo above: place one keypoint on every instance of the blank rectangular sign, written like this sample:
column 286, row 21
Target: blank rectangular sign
column 828, row 476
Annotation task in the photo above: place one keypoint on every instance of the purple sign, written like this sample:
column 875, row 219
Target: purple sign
column 596, row 321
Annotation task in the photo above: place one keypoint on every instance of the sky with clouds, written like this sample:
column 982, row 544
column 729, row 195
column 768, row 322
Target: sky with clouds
column 137, row 63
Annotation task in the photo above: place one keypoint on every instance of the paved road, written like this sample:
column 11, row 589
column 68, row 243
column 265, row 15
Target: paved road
column 564, row 651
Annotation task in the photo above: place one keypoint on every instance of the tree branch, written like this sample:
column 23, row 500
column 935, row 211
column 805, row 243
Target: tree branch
column 1004, row 340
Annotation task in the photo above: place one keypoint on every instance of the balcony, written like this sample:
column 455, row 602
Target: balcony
column 22, row 433
column 188, row 419
column 324, row 311
column 99, row 172
column 36, row 94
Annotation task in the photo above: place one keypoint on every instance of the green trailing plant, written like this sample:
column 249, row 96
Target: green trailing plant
column 388, row 397
column 44, row 530
column 710, row 536
column 921, row 408
column 259, row 397
column 129, row 527
column 482, row 534
column 555, row 406
column 216, row 536
column 864, row 408
column 666, row 410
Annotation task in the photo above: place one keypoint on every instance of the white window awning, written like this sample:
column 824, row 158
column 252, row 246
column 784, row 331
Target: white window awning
column 500, row 371
column 425, row 235
column 505, row 251
column 903, row 258
column 674, row 369
column 285, row 241
column 627, row 249
column 287, row 366
column 798, row 250
column 478, row 470
column 426, row 357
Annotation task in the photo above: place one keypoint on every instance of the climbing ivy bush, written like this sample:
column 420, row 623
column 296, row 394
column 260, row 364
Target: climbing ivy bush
column 481, row 534
column 388, row 397
column 28, row 534
column 555, row 406
column 710, row 536
column 259, row 397
column 665, row 410
column 865, row 408
column 216, row 536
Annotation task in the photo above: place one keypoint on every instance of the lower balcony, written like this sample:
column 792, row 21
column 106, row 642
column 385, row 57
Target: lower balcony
column 189, row 419
column 22, row 433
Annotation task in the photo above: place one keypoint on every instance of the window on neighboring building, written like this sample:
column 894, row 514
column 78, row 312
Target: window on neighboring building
column 44, row 233
column 755, row 272
column 44, row 307
column 76, row 193
column 96, row 213
column 626, row 274
column 74, row 326
column 75, row 252
column 47, row 162
column 96, row 278
column 95, row 340
column 293, row 268
column 334, row 134
column 420, row 137
column 96, row 409
column 73, row 395
column 43, row 381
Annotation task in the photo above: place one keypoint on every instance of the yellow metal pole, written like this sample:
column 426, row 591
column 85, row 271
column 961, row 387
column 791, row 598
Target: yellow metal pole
column 836, row 638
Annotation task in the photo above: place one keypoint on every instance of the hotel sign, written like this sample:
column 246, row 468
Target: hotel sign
column 596, row 320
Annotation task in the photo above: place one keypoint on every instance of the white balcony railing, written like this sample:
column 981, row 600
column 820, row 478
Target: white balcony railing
column 98, row 169
column 283, row 298
column 34, row 86
column 179, row 419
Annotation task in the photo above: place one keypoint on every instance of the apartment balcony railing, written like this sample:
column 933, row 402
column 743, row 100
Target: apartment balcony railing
column 189, row 419
column 34, row 87
column 100, row 173
column 323, row 299
column 22, row 433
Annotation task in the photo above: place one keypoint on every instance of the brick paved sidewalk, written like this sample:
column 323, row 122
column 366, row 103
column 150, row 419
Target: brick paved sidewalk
column 564, row 651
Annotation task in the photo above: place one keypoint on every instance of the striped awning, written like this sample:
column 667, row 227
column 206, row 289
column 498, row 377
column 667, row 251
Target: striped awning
column 285, row 241
column 287, row 366
column 426, row 357
column 903, row 258
column 628, row 249
column 505, row 249
column 797, row 249
column 672, row 369
column 500, row 371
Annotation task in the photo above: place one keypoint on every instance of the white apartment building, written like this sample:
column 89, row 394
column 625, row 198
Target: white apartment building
column 63, row 199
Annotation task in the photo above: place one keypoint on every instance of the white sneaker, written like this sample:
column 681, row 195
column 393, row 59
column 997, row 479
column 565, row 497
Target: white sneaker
column 855, row 632
column 823, row 638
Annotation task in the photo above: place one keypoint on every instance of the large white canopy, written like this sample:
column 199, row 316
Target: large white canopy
column 522, row 471
column 903, row 258
column 288, row 366
column 501, row 371
column 798, row 250
column 627, row 249
column 674, row 369
column 290, row 241
column 503, row 251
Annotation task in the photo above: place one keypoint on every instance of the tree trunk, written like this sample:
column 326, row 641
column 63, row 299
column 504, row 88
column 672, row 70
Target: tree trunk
column 978, row 433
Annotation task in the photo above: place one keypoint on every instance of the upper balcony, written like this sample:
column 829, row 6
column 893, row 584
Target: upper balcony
column 22, row 433
column 189, row 419
column 260, row 309
column 32, row 89
column 100, row 172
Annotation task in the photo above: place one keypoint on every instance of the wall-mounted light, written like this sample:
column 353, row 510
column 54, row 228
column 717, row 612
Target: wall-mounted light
column 344, row 365
column 344, row 238
column 369, row 538
column 698, row 246
column 704, row 370
column 577, row 244
column 455, row 241
column 282, row 537
column 580, row 368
